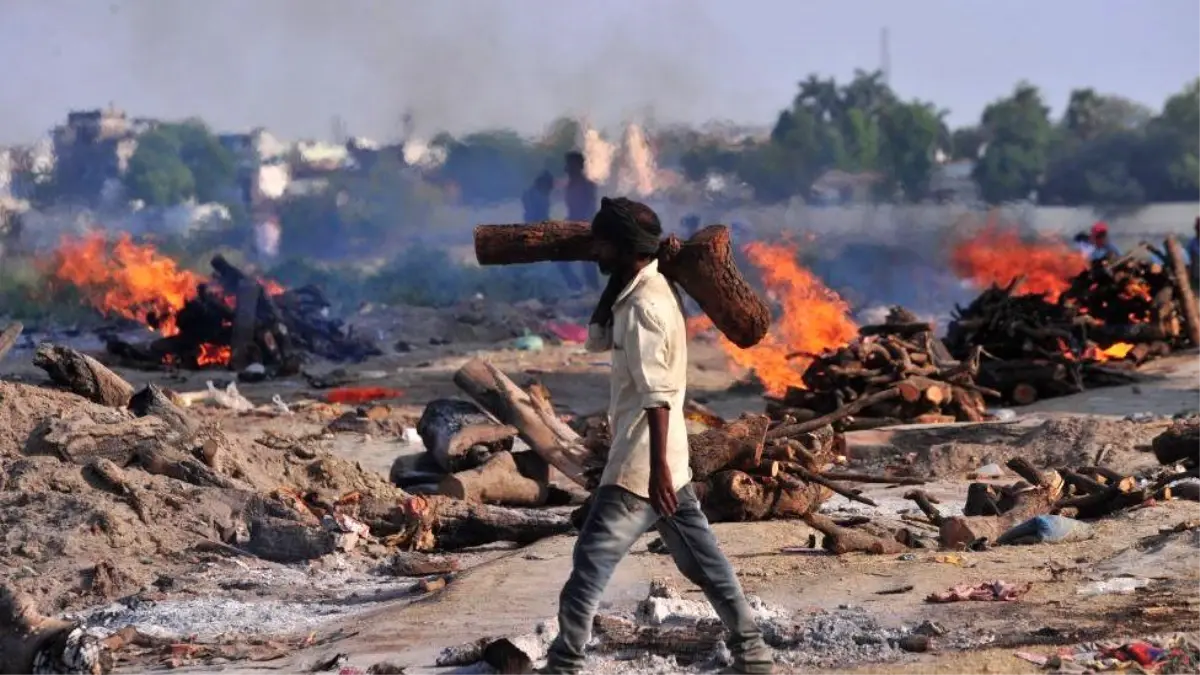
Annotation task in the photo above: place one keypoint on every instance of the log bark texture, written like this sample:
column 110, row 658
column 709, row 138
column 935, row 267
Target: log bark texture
column 703, row 266
column 83, row 375
column 1183, row 288
column 533, row 417
column 450, row 428
column 841, row 540
column 435, row 522
column 497, row 481
column 738, row 443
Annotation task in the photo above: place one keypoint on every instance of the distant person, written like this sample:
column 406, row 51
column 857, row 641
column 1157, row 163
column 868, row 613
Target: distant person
column 1083, row 244
column 1104, row 247
column 582, row 203
column 536, row 199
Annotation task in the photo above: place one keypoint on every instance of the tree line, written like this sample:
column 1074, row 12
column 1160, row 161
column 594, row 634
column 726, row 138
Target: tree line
column 1104, row 150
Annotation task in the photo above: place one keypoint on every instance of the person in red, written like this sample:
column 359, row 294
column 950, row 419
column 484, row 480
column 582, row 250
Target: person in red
column 582, row 203
column 1104, row 247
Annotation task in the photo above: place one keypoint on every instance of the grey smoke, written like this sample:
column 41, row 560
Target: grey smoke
column 298, row 65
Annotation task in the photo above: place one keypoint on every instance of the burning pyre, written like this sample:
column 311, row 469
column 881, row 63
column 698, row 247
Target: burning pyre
column 231, row 320
column 1049, row 324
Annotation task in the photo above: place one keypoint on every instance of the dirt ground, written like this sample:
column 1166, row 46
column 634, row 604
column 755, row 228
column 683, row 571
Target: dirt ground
column 351, row 608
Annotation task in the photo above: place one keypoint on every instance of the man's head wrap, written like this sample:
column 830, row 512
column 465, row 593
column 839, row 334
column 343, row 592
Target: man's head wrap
column 631, row 226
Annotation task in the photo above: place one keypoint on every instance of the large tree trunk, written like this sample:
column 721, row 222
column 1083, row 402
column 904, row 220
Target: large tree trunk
column 703, row 266
column 83, row 375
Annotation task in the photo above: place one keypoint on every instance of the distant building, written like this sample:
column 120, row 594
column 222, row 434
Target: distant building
column 92, row 151
column 952, row 182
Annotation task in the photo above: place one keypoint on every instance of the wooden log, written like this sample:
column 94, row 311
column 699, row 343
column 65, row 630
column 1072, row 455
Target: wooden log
column 738, row 444
column 245, row 322
column 80, row 436
column 1051, row 481
column 83, row 375
column 703, row 267
column 152, row 400
column 736, row 496
column 959, row 531
column 8, row 337
column 981, row 501
column 496, row 482
column 839, row 540
column 536, row 422
column 811, row 477
column 925, row 503
column 435, row 522
column 28, row 638
column 914, row 389
column 844, row 411
column 450, row 428
column 1183, row 290
column 1180, row 442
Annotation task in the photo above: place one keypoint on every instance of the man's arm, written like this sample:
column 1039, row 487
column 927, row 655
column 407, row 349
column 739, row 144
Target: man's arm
column 647, row 346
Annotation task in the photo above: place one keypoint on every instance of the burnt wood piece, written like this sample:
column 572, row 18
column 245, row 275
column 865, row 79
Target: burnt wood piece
column 458, row 435
column 844, row 411
column 841, row 540
column 738, row 444
column 1179, row 443
column 1183, row 290
column 497, row 481
column 82, row 375
column 703, row 266
column 435, row 522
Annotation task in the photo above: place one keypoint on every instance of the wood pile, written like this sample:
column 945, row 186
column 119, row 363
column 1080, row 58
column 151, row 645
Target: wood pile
column 235, row 321
column 1113, row 316
column 894, row 373
column 751, row 468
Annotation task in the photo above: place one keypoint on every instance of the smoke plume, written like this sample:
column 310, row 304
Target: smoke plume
column 306, row 67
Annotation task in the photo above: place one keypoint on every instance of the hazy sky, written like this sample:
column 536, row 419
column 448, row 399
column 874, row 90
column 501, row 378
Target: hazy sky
column 293, row 65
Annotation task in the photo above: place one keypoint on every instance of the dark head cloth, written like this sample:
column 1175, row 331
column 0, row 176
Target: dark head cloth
column 628, row 224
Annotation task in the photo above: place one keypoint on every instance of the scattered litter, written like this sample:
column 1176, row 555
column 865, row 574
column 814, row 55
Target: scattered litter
column 1046, row 529
column 231, row 398
column 1001, row 414
column 361, row 394
column 1118, row 586
column 567, row 332
column 529, row 343
column 950, row 559
column 989, row 591
column 281, row 407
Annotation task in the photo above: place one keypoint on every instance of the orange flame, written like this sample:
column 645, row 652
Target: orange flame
column 813, row 319
column 998, row 256
column 136, row 281
column 130, row 280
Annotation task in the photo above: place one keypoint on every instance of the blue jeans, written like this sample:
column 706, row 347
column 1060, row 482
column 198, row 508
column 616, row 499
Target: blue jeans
column 617, row 519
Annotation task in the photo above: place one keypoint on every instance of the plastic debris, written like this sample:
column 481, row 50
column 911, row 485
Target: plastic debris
column 1046, row 529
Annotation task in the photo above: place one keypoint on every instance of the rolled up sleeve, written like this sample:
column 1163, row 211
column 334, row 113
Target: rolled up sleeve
column 647, row 345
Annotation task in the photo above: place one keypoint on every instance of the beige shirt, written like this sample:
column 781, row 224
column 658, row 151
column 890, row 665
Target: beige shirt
column 649, row 369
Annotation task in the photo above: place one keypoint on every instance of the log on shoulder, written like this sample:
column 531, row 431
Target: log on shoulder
column 703, row 266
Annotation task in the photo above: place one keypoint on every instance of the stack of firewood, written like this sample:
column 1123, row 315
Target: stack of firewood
column 1114, row 316
column 894, row 373
column 751, row 468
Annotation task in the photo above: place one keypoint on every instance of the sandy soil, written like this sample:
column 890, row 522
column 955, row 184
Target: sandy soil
column 373, row 618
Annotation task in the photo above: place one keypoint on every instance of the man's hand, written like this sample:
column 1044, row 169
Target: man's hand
column 662, row 487
column 662, row 490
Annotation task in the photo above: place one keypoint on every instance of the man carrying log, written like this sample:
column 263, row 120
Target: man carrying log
column 646, row 481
